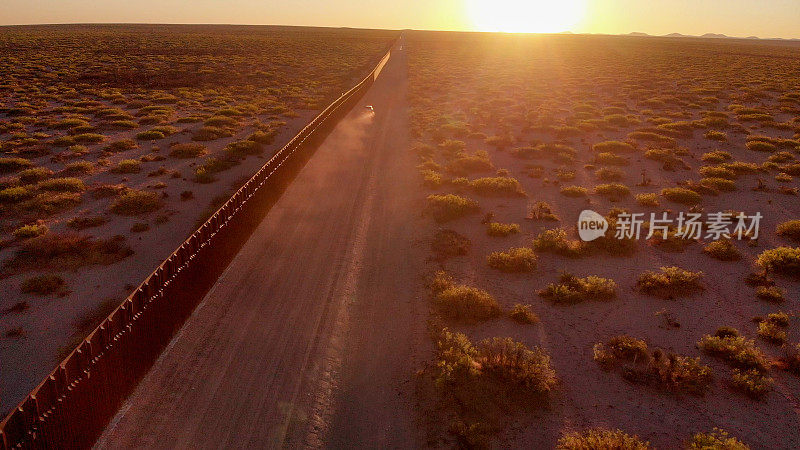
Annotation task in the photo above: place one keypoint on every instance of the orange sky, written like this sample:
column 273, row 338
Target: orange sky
column 763, row 18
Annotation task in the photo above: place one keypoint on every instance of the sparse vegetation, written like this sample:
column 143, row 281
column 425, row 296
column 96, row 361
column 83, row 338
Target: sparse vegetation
column 670, row 283
column 520, row 259
column 571, row 289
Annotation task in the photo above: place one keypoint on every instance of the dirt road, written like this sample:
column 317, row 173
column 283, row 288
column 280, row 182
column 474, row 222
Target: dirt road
column 308, row 336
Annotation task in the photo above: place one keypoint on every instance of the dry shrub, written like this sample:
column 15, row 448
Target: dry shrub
column 780, row 260
column 613, row 147
column 466, row 303
column 133, row 203
column 520, row 259
column 772, row 294
column 649, row 199
column 752, row 382
column 681, row 195
column 502, row 229
column 450, row 206
column 497, row 186
column 187, row 150
column 670, row 283
column 67, row 251
column 556, row 241
column 571, row 289
column 664, row 370
column 789, row 229
column 46, row 284
column 723, row 250
column 734, row 349
column 523, row 314
column 716, row 439
column 613, row 191
column 601, row 439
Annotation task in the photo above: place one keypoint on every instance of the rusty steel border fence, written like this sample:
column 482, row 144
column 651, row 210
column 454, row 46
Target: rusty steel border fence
column 73, row 405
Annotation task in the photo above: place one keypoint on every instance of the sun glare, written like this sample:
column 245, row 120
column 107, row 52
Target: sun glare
column 525, row 16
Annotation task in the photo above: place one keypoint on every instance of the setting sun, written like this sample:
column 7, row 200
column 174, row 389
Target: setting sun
column 525, row 16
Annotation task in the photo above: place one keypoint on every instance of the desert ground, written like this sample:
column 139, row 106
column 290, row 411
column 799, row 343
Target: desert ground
column 118, row 141
column 421, row 282
column 526, row 132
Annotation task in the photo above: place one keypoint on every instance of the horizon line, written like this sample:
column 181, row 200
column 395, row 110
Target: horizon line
column 707, row 35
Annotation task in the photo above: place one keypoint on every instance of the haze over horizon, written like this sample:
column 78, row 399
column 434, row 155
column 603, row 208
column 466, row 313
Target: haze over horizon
column 739, row 18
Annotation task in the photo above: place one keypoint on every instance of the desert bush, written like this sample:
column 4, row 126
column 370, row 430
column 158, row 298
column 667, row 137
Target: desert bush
column 210, row 133
column 715, row 135
column 613, row 191
column 121, row 146
column 717, row 156
column 772, row 332
column 502, row 229
column 607, row 174
column 30, row 231
column 556, row 241
column 601, row 439
column 221, row 121
column 127, row 166
column 613, row 147
column 14, row 194
column 450, row 206
column 736, row 350
column 611, row 159
column 497, row 186
column 66, row 252
column 671, row 282
column 720, row 184
column 789, row 229
column 447, row 243
column 717, row 172
column 783, row 178
column 542, row 211
column 638, row 364
column 772, row 294
column 240, row 149
column 572, row 289
column 681, row 195
column 760, row 146
column 723, row 250
column 78, row 168
column 520, row 259
column 717, row 439
column 133, row 203
column 741, row 167
column 35, row 174
column 187, row 150
column 13, row 164
column 574, row 191
column 81, row 223
column 649, row 199
column 523, row 314
column 150, row 135
column 62, row 185
column 263, row 137
column 752, row 382
column 466, row 164
column 780, row 260
column 44, row 285
column 466, row 303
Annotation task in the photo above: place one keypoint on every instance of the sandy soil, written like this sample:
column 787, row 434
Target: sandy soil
column 309, row 335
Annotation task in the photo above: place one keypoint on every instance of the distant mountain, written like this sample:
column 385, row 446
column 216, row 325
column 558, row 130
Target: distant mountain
column 636, row 33
column 752, row 37
column 714, row 36
column 676, row 35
